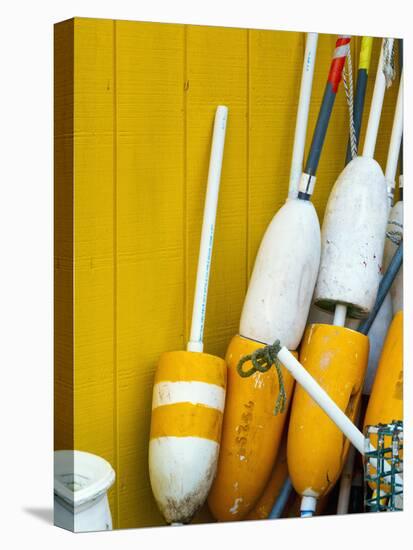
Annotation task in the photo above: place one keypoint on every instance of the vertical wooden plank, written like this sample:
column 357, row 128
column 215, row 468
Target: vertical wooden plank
column 335, row 145
column 93, row 241
column 150, row 279
column 63, row 235
column 276, row 60
column 217, row 73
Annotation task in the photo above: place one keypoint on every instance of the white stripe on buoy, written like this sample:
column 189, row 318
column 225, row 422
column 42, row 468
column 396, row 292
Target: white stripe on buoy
column 168, row 393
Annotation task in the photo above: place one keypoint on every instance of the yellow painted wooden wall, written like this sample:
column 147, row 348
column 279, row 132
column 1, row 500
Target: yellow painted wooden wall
column 134, row 107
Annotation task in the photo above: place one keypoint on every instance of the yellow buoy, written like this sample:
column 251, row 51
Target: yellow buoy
column 336, row 357
column 253, row 434
column 273, row 488
column 386, row 400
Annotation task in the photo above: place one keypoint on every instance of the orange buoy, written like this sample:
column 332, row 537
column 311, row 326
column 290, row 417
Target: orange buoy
column 253, row 435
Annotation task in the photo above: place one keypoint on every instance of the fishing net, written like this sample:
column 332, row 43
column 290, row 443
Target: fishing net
column 383, row 490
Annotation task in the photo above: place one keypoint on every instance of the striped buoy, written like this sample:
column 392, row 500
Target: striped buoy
column 189, row 387
column 187, row 407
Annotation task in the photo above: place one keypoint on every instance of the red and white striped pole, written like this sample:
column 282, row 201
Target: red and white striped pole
column 307, row 182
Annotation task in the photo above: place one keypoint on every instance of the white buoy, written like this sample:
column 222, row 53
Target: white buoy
column 352, row 239
column 318, row 315
column 395, row 227
column 395, row 222
column 285, row 271
column 379, row 329
column 353, row 232
column 284, row 275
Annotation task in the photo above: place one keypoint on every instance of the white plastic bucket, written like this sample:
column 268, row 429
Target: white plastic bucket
column 81, row 482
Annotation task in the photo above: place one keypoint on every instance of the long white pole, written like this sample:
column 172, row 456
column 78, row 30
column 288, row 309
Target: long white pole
column 302, row 113
column 332, row 410
column 346, row 478
column 345, row 483
column 208, row 227
column 395, row 142
column 376, row 105
column 321, row 397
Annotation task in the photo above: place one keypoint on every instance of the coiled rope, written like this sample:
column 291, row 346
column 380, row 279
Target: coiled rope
column 393, row 235
column 388, row 62
column 262, row 360
column 349, row 90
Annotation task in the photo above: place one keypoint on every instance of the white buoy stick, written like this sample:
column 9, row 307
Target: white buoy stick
column 321, row 397
column 376, row 105
column 394, row 146
column 346, row 478
column 340, row 315
column 302, row 114
column 208, row 227
column 345, row 483
column 332, row 410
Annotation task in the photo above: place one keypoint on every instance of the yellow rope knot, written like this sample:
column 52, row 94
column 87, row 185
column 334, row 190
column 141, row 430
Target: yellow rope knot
column 262, row 360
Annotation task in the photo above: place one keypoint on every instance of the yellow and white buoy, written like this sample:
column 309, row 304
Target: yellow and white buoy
column 189, row 387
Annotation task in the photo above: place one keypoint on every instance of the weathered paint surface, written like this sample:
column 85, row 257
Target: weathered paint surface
column 352, row 239
column 134, row 106
column 316, row 450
